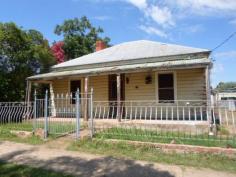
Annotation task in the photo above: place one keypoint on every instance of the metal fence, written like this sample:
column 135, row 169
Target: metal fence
column 182, row 122
column 14, row 112
column 61, row 115
column 179, row 110
column 16, row 116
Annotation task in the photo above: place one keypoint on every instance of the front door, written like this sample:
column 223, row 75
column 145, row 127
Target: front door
column 112, row 89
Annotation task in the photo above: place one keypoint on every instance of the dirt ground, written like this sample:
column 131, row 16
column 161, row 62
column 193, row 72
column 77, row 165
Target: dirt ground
column 53, row 156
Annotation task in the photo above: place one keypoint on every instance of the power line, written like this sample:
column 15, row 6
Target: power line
column 226, row 40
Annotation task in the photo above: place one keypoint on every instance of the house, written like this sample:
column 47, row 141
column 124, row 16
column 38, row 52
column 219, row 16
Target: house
column 225, row 98
column 143, row 80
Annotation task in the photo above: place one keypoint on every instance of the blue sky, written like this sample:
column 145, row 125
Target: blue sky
column 196, row 23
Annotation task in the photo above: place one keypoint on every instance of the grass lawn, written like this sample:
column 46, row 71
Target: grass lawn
column 190, row 138
column 124, row 150
column 55, row 129
column 13, row 170
column 6, row 135
column 24, row 126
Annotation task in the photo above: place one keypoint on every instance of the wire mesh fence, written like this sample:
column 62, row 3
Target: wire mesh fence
column 192, row 123
column 61, row 115
column 174, row 134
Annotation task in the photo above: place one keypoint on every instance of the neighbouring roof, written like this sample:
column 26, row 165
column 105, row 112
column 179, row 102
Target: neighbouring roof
column 142, row 49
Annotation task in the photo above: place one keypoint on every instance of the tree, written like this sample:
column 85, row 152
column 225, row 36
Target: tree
column 223, row 86
column 22, row 53
column 58, row 51
column 79, row 37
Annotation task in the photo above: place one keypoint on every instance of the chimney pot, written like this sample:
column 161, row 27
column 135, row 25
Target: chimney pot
column 100, row 45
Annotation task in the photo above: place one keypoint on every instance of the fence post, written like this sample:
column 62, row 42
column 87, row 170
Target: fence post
column 9, row 112
column 77, row 114
column 35, row 110
column 91, row 113
column 46, row 115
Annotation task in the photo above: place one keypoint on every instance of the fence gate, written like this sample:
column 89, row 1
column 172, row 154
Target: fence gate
column 61, row 114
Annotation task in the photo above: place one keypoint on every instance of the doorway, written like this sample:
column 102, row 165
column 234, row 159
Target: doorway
column 112, row 93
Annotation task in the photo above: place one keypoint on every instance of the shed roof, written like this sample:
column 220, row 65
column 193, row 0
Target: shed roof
column 141, row 49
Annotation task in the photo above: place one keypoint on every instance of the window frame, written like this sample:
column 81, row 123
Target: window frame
column 174, row 85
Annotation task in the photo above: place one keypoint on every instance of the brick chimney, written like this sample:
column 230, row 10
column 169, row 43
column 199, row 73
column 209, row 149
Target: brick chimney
column 100, row 45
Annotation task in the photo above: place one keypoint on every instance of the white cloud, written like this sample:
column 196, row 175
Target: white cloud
column 218, row 68
column 152, row 30
column 166, row 14
column 226, row 55
column 232, row 22
column 102, row 18
column 194, row 28
column 205, row 7
column 209, row 4
column 162, row 16
column 141, row 4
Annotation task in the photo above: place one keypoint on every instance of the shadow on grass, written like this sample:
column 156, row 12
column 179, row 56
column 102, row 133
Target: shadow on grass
column 13, row 170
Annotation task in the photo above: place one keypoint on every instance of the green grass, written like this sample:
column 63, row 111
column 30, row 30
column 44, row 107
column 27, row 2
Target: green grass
column 55, row 129
column 190, row 138
column 23, row 126
column 13, row 170
column 124, row 150
column 58, row 127
column 6, row 135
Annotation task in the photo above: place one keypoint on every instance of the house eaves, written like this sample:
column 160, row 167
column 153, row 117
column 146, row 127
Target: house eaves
column 194, row 63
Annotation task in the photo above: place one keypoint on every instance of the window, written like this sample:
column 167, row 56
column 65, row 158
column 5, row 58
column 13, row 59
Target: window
column 74, row 85
column 166, row 87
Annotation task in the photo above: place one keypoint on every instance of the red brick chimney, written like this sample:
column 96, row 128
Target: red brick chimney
column 100, row 45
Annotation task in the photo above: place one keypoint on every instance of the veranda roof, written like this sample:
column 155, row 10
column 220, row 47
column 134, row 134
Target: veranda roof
column 122, row 68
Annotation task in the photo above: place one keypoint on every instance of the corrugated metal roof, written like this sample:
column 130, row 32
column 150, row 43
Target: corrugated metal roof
column 131, row 50
column 156, row 65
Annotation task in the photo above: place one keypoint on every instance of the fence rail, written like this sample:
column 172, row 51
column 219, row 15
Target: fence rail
column 180, row 110
column 14, row 112
column 153, row 110
column 62, row 114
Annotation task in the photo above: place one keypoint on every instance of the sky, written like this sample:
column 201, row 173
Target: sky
column 195, row 23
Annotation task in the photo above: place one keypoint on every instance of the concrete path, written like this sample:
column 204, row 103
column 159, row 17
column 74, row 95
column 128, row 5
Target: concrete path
column 87, row 165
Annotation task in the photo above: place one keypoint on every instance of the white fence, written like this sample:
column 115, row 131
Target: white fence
column 179, row 110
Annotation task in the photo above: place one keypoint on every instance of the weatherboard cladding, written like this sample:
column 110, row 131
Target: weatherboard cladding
column 190, row 85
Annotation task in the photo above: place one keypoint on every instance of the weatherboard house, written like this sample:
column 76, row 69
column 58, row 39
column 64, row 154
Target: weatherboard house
column 138, row 80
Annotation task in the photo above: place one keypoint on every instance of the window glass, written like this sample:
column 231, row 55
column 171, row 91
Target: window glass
column 166, row 87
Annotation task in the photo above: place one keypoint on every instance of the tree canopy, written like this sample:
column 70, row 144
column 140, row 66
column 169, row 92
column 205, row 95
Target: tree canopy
column 223, row 86
column 79, row 36
column 22, row 53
